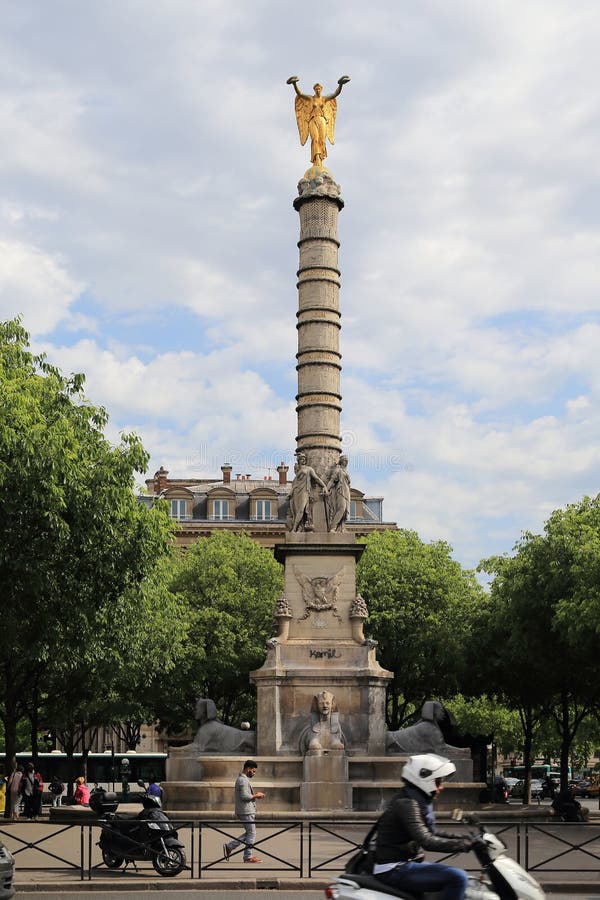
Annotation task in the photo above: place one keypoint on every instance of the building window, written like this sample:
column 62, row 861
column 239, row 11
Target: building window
column 263, row 509
column 178, row 509
column 352, row 513
column 221, row 509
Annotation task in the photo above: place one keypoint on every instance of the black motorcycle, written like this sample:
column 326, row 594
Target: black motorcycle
column 148, row 836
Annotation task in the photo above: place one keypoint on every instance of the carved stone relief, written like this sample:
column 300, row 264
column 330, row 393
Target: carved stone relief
column 320, row 594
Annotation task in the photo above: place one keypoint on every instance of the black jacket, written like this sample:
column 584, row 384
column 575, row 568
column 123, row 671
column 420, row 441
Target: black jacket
column 407, row 825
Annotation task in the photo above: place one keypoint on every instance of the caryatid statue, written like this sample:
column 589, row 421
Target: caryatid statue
column 301, row 500
column 316, row 117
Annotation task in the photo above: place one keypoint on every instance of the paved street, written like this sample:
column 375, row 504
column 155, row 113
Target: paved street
column 252, row 895
column 189, row 895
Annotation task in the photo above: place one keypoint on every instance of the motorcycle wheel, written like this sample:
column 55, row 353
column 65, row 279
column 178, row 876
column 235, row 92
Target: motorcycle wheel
column 111, row 861
column 169, row 863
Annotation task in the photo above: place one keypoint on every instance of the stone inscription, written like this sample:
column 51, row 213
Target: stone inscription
column 329, row 653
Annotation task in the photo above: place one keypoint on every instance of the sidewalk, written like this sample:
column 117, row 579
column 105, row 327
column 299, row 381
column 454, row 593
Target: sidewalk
column 53, row 855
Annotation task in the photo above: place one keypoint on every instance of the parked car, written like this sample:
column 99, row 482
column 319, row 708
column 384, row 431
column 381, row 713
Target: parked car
column 511, row 783
column 519, row 788
column 586, row 788
column 7, row 873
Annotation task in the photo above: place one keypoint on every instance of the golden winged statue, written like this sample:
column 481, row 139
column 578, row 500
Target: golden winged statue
column 316, row 117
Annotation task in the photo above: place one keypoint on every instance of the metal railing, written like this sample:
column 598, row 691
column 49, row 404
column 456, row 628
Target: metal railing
column 296, row 848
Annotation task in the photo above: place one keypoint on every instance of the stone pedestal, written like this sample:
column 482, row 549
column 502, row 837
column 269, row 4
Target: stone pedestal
column 320, row 652
column 326, row 784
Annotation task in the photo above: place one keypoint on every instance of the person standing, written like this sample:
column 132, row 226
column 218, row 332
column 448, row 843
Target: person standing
column 28, row 791
column 81, row 797
column 38, row 794
column 245, row 810
column 57, row 789
column 14, row 793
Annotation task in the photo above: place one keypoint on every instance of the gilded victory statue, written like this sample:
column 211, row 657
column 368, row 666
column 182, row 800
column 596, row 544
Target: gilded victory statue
column 315, row 116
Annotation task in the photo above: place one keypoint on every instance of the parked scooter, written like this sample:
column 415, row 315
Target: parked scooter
column 501, row 877
column 148, row 836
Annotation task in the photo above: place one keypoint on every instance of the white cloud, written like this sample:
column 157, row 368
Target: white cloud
column 150, row 156
column 35, row 285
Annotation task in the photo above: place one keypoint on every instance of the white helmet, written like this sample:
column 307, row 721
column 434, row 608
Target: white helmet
column 426, row 771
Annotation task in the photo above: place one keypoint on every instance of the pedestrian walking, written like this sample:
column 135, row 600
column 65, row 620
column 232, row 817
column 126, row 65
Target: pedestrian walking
column 245, row 810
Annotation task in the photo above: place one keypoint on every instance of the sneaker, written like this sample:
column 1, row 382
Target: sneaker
column 253, row 859
column 226, row 852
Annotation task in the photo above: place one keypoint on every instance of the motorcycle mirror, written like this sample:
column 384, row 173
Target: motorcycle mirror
column 141, row 783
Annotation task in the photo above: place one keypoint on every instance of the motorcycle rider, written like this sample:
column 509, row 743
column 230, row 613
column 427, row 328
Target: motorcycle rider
column 407, row 826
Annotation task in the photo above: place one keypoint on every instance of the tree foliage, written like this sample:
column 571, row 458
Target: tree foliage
column 486, row 715
column 76, row 547
column 539, row 649
column 421, row 606
column 230, row 585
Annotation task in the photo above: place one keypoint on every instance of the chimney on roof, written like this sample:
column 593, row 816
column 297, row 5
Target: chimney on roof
column 161, row 480
column 248, row 476
column 238, row 475
column 283, row 470
column 226, row 470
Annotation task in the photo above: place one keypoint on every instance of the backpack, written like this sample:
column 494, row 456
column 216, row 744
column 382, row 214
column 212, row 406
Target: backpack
column 362, row 862
column 56, row 787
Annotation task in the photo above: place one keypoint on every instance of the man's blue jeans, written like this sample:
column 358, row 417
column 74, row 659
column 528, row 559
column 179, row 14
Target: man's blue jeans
column 419, row 877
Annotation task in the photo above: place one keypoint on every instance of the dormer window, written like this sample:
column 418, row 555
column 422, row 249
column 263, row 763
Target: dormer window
column 264, row 504
column 264, row 509
column 221, row 509
column 179, row 509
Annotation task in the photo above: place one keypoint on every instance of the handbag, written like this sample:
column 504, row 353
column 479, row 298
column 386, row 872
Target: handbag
column 362, row 862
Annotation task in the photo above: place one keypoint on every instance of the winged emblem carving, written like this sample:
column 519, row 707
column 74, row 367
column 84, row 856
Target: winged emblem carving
column 320, row 593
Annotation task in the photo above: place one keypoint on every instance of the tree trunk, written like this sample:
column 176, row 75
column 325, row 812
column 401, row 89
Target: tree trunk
column 527, row 720
column 34, row 718
column 11, row 720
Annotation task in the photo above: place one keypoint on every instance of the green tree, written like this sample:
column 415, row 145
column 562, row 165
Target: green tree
column 75, row 545
column 486, row 715
column 541, row 659
column 230, row 585
column 145, row 636
column 508, row 646
column 421, row 605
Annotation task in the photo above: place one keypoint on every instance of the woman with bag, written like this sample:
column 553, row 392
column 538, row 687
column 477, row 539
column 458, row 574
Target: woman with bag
column 13, row 793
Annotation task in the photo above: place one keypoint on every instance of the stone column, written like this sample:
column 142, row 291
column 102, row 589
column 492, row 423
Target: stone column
column 319, row 359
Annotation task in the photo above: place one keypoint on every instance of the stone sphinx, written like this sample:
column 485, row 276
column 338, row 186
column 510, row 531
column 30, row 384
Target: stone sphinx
column 217, row 738
column 324, row 734
column 428, row 735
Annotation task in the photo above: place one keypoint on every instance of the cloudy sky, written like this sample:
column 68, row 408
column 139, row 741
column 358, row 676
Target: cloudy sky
column 148, row 162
